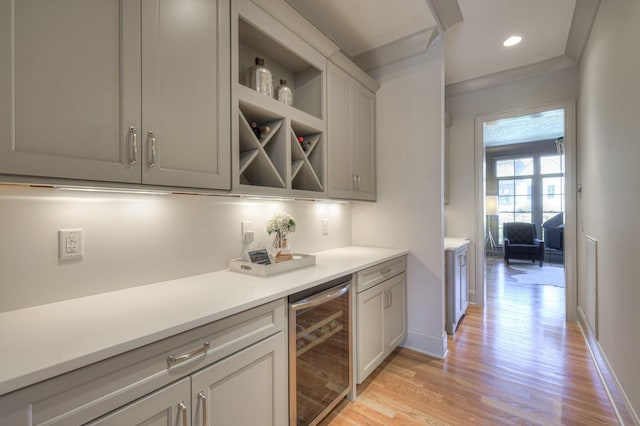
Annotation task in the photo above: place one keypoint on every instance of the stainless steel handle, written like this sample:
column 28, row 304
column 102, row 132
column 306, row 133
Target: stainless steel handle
column 358, row 188
column 390, row 298
column 153, row 154
column 183, row 409
column 173, row 360
column 203, row 398
column 355, row 182
column 386, row 271
column 387, row 300
column 133, row 157
column 320, row 298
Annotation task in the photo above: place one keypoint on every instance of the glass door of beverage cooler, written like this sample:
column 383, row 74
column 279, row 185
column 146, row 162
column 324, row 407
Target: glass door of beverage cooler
column 320, row 353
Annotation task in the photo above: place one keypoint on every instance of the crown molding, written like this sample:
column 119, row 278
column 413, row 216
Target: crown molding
column 446, row 13
column 290, row 18
column 584, row 15
column 511, row 75
column 397, row 50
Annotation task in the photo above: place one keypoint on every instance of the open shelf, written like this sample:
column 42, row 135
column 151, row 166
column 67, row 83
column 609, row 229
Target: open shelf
column 304, row 79
column 274, row 163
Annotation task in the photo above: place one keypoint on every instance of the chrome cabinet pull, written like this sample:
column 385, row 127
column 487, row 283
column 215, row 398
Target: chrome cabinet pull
column 173, row 360
column 203, row 398
column 183, row 409
column 390, row 298
column 153, row 154
column 358, row 186
column 133, row 156
column 355, row 182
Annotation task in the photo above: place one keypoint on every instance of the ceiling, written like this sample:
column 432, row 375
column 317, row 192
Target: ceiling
column 473, row 47
column 358, row 26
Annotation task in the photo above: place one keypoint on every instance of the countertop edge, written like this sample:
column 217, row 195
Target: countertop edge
column 15, row 382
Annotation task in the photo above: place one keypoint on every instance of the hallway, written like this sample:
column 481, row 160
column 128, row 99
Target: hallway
column 514, row 362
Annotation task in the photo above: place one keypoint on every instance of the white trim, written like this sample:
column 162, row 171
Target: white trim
column 509, row 76
column 584, row 14
column 588, row 336
column 429, row 344
column 397, row 50
column 570, row 249
column 347, row 65
column 446, row 13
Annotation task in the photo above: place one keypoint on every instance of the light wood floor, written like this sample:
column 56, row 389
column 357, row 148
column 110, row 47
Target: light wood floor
column 514, row 362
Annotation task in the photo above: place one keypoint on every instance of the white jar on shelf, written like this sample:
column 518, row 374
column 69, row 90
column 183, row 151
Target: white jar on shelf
column 284, row 93
column 259, row 78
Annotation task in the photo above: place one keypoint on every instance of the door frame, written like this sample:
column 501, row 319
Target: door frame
column 570, row 235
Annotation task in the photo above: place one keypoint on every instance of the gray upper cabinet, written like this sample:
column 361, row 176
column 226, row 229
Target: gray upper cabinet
column 351, row 136
column 186, row 93
column 133, row 91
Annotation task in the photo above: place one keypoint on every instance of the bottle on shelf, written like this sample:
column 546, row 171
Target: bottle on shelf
column 260, row 131
column 284, row 93
column 304, row 145
column 259, row 78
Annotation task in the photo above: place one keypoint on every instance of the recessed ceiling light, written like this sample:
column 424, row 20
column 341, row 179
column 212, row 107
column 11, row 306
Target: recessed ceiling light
column 512, row 41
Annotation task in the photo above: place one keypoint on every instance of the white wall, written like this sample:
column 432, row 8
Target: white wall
column 608, row 155
column 408, row 213
column 460, row 219
column 133, row 240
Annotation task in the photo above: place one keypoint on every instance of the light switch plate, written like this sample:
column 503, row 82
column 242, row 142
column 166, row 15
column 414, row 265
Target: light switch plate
column 70, row 243
column 325, row 226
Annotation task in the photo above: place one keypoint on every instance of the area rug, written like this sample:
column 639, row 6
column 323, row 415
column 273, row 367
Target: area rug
column 535, row 275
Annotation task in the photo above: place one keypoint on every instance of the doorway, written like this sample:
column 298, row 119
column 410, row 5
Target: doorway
column 525, row 163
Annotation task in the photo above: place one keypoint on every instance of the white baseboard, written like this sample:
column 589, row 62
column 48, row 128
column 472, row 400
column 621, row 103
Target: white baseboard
column 429, row 344
column 619, row 400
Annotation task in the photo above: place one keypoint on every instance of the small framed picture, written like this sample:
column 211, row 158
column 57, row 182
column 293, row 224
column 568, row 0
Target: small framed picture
column 259, row 256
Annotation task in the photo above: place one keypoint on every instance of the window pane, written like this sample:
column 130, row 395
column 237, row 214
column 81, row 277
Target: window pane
column 523, row 186
column 506, row 187
column 523, row 217
column 502, row 219
column 505, row 204
column 504, row 168
column 523, row 203
column 552, row 185
column 552, row 164
column 523, row 166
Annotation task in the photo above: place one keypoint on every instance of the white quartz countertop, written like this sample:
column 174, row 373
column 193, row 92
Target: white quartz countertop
column 44, row 341
column 454, row 243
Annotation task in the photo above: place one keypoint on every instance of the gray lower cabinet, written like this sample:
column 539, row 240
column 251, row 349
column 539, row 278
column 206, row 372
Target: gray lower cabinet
column 168, row 406
column 244, row 389
column 133, row 91
column 229, row 372
column 351, row 132
column 457, row 286
column 381, row 323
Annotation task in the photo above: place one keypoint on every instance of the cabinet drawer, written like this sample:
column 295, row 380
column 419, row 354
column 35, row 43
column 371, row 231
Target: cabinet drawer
column 369, row 277
column 89, row 392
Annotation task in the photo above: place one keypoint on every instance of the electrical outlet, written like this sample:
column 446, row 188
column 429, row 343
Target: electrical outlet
column 70, row 244
column 325, row 226
column 246, row 231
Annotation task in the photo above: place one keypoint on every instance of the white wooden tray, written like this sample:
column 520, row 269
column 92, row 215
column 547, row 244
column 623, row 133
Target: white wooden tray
column 298, row 261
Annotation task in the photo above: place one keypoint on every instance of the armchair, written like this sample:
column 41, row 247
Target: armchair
column 520, row 242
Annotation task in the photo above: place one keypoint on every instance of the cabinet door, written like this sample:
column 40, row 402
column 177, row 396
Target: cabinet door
column 395, row 315
column 339, row 107
column 364, row 141
column 168, row 406
column 371, row 329
column 247, row 388
column 461, row 283
column 186, row 93
column 69, row 88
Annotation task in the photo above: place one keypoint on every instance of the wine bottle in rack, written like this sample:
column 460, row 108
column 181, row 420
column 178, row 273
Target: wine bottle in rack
column 304, row 145
column 260, row 131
